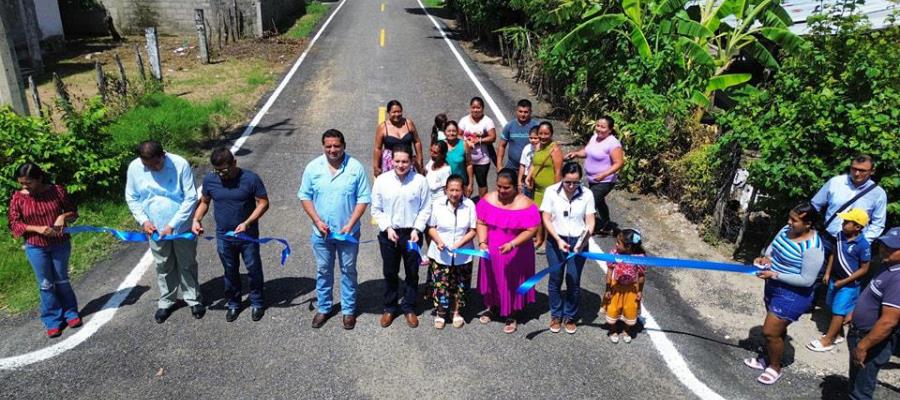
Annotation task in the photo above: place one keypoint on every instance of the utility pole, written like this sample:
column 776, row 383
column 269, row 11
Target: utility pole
column 12, row 91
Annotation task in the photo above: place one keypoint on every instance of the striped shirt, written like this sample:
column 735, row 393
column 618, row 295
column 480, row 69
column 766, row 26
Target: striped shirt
column 39, row 210
column 787, row 255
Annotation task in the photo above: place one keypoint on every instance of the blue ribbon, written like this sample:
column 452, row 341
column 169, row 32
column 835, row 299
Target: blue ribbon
column 530, row 283
column 136, row 236
column 129, row 236
column 346, row 237
column 285, row 252
column 472, row 252
column 658, row 262
column 661, row 262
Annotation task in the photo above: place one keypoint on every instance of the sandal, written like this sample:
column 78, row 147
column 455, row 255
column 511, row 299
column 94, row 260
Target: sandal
column 510, row 327
column 486, row 317
column 458, row 321
column 439, row 323
column 816, row 345
column 756, row 363
column 839, row 340
column 769, row 376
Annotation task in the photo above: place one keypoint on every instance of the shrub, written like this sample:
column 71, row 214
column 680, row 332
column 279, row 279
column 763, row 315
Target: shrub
column 81, row 157
column 839, row 99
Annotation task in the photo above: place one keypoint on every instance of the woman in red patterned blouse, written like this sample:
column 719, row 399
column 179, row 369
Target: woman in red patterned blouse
column 39, row 213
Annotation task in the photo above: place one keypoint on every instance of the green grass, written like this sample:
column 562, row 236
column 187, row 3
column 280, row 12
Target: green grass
column 433, row 3
column 177, row 123
column 18, row 289
column 258, row 77
column 305, row 24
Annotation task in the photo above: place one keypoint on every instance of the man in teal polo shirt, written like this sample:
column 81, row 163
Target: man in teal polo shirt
column 334, row 192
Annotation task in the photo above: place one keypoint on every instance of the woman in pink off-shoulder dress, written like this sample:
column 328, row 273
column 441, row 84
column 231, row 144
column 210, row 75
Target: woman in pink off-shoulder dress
column 507, row 222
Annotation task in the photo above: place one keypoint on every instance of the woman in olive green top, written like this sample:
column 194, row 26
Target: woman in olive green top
column 546, row 165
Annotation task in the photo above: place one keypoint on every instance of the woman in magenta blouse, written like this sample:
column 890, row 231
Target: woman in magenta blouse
column 604, row 157
column 507, row 221
column 39, row 213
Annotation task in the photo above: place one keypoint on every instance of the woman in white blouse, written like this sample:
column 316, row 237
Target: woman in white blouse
column 451, row 227
column 568, row 213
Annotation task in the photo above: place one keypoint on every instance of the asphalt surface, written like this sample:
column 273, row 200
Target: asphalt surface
column 345, row 78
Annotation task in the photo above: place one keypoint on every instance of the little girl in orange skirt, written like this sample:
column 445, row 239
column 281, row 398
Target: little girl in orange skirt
column 624, row 286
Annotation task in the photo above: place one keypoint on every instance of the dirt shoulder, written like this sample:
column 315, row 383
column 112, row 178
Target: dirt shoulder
column 730, row 304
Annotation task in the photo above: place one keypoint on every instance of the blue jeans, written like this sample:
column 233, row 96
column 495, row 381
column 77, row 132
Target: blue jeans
column 863, row 379
column 564, row 307
column 325, row 251
column 51, row 269
column 231, row 252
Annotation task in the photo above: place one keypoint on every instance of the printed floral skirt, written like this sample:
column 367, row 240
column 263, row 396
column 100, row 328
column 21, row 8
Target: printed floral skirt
column 449, row 282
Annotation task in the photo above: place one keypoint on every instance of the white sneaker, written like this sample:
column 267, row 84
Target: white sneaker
column 626, row 338
column 614, row 338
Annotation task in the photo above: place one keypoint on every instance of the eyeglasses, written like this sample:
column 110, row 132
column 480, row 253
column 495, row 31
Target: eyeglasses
column 223, row 171
column 570, row 183
column 860, row 170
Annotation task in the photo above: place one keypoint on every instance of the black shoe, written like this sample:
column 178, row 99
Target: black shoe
column 256, row 313
column 198, row 311
column 162, row 314
column 231, row 314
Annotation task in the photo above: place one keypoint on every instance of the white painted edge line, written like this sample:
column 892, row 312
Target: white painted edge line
column 663, row 345
column 100, row 318
column 666, row 348
column 484, row 93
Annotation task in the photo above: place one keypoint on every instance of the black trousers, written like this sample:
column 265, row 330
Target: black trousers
column 392, row 254
column 600, row 190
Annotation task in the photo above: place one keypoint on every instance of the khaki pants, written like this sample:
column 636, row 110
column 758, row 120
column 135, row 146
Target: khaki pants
column 176, row 267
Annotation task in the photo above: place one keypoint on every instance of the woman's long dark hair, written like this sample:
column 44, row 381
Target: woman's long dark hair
column 440, row 122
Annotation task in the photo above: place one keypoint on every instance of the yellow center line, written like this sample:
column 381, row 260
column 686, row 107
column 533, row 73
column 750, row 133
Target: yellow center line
column 382, row 111
column 381, row 40
column 382, row 7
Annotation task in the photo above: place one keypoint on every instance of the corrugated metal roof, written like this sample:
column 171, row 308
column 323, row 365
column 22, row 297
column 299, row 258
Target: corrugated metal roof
column 877, row 11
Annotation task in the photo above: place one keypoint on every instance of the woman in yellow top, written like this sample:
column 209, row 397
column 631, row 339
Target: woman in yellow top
column 546, row 167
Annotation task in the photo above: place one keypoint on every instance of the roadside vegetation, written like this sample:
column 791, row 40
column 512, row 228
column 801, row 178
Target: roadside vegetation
column 305, row 24
column 699, row 91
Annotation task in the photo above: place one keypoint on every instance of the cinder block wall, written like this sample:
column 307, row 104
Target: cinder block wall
column 173, row 17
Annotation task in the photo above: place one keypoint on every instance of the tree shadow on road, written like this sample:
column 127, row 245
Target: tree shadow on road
column 439, row 12
column 279, row 292
column 100, row 302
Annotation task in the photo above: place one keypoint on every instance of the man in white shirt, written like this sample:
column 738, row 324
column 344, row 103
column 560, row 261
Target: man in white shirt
column 401, row 205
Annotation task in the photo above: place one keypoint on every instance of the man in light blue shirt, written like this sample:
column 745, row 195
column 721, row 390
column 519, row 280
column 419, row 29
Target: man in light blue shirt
column 161, row 195
column 842, row 188
column 334, row 192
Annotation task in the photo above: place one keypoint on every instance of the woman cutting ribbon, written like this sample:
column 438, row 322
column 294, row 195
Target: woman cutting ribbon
column 507, row 222
column 451, row 227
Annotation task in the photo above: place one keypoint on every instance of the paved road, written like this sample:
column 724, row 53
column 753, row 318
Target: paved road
column 346, row 77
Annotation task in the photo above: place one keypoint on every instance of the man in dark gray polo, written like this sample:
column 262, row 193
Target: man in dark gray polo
column 873, row 330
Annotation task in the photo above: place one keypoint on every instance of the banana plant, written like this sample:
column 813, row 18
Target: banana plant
column 711, row 34
column 738, row 27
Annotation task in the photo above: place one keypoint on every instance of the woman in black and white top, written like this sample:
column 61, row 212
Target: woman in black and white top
column 451, row 226
column 568, row 214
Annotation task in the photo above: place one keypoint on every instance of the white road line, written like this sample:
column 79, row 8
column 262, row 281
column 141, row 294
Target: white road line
column 664, row 346
column 667, row 349
column 100, row 318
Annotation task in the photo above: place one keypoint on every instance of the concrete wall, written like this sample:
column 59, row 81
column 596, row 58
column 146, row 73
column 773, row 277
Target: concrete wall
column 175, row 17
